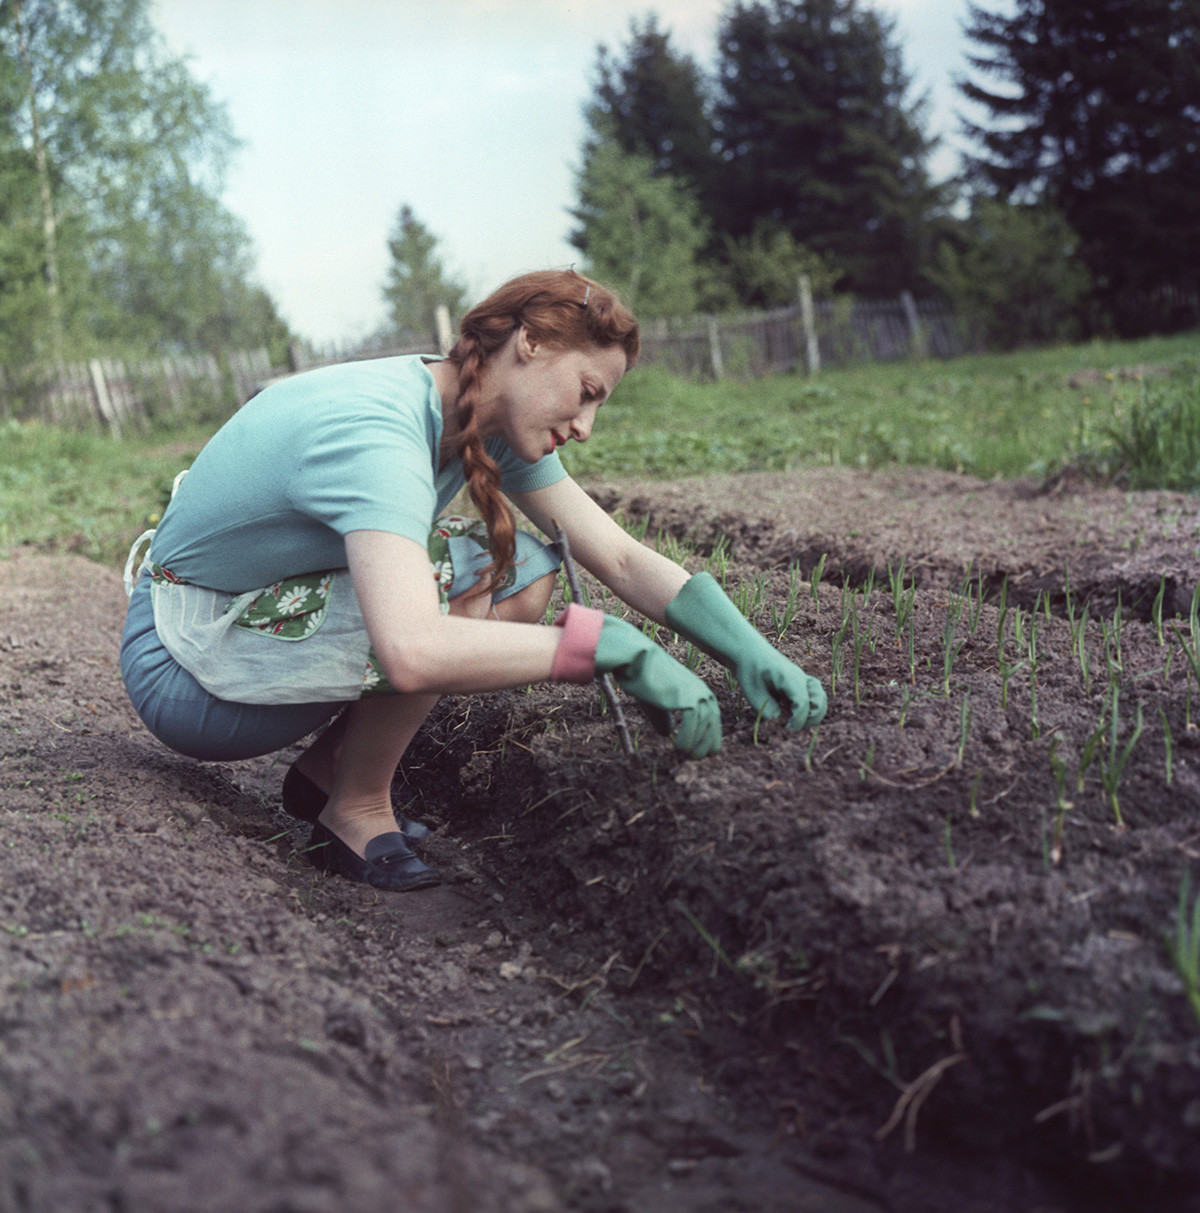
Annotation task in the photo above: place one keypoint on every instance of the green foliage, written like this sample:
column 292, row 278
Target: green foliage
column 1153, row 440
column 641, row 233
column 114, row 160
column 1093, row 110
column 816, row 132
column 84, row 492
column 652, row 102
column 1012, row 274
column 417, row 283
column 798, row 153
column 765, row 266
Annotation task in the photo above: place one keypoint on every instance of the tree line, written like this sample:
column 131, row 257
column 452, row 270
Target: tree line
column 800, row 150
column 112, row 164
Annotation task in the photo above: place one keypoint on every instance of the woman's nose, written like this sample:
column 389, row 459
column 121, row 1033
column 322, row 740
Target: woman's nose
column 581, row 427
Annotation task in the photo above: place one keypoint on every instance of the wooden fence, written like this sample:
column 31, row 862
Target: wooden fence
column 812, row 334
column 117, row 393
column 807, row 336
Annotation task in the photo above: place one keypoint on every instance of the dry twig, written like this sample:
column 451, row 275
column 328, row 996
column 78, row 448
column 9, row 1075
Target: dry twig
column 606, row 682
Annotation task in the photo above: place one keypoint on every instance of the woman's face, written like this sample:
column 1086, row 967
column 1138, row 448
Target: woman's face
column 543, row 396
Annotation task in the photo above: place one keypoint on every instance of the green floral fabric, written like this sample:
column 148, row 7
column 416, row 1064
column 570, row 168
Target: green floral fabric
column 294, row 608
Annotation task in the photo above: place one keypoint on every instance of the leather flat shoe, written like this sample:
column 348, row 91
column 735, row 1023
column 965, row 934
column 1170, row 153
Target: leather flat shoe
column 302, row 798
column 389, row 863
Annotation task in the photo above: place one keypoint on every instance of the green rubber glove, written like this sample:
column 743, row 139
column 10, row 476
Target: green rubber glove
column 776, row 687
column 650, row 674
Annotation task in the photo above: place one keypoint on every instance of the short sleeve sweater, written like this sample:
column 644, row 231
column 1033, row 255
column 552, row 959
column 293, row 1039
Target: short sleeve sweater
column 310, row 459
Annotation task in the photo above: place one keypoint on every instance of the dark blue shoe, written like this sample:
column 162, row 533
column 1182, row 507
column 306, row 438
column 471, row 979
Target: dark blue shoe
column 302, row 798
column 389, row 863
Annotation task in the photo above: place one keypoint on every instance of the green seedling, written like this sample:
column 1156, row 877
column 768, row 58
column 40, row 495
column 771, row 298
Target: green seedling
column 1184, row 945
column 1080, row 640
column 864, row 771
column 812, row 745
column 782, row 620
column 1062, row 804
column 1113, row 764
column 901, row 602
column 1167, row 741
column 1002, row 619
column 1035, row 728
column 905, row 704
column 749, row 594
column 718, row 563
column 972, row 804
column 707, row 936
column 814, row 580
column 976, row 603
column 858, row 640
column 951, row 645
column 1157, row 609
column 965, row 714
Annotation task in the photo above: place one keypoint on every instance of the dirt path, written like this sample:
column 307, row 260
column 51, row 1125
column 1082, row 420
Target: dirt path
column 885, row 970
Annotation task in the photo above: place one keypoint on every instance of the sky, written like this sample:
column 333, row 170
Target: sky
column 469, row 111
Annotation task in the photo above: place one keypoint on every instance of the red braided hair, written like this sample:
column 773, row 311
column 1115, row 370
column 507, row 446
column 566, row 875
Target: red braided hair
column 559, row 308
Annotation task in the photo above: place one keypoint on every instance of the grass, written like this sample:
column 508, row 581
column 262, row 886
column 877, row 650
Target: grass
column 989, row 415
column 995, row 415
column 84, row 491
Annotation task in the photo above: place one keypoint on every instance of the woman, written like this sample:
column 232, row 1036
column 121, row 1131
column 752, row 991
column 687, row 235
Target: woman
column 324, row 489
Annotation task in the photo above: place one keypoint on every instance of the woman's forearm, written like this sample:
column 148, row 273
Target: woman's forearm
column 454, row 655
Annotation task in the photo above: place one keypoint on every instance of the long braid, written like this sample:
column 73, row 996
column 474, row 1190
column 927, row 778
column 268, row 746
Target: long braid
column 480, row 469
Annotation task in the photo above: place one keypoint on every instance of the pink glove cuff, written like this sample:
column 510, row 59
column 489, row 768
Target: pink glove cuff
column 575, row 657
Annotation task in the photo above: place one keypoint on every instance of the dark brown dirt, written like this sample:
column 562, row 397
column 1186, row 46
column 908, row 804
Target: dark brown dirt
column 910, row 964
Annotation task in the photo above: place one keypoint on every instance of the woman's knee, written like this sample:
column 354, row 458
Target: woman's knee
column 528, row 605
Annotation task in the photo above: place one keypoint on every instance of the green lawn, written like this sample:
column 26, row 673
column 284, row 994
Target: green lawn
column 1125, row 409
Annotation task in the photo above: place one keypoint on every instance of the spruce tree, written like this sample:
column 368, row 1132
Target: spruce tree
column 817, row 135
column 1094, row 108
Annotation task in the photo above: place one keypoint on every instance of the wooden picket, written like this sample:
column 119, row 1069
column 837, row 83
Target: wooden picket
column 118, row 395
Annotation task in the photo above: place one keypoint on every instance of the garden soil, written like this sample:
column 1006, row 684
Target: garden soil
column 920, row 960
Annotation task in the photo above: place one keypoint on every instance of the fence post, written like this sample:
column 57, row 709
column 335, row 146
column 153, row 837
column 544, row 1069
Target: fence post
column 103, row 404
column 916, row 332
column 441, row 324
column 812, row 351
column 714, row 348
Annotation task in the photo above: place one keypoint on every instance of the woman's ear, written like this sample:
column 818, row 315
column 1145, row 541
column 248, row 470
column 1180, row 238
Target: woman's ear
column 527, row 346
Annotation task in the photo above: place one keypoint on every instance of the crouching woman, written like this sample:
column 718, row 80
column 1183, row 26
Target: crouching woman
column 302, row 574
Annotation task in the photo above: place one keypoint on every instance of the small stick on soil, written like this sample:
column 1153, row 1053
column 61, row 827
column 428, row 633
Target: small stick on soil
column 606, row 682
